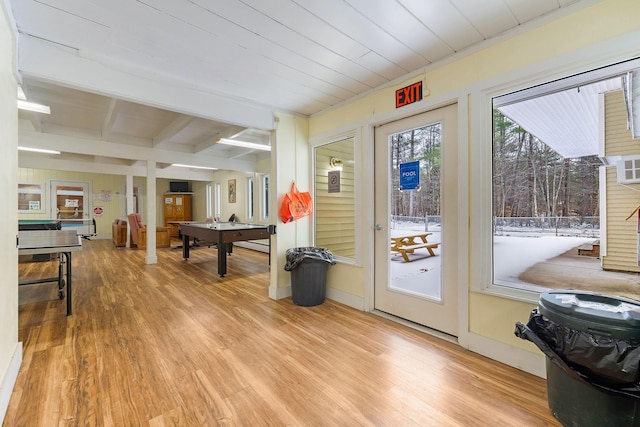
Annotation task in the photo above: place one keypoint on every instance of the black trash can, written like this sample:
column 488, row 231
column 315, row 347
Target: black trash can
column 592, row 344
column 308, row 267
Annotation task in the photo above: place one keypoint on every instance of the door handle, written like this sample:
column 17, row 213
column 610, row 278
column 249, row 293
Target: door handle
column 378, row 227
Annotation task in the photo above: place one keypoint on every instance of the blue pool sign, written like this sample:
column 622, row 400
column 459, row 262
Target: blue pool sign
column 410, row 176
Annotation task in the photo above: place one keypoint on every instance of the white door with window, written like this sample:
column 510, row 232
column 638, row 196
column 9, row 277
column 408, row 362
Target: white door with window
column 71, row 202
column 416, row 195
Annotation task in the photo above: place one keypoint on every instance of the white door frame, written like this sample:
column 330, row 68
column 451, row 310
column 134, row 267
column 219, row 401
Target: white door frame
column 368, row 129
column 88, row 195
column 437, row 313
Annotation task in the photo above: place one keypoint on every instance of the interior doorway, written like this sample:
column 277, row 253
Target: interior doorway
column 71, row 202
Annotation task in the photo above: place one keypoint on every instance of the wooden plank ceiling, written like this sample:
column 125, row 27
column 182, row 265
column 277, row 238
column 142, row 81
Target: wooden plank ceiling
column 297, row 56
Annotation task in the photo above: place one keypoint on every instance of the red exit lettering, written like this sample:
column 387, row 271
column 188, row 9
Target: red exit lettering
column 408, row 95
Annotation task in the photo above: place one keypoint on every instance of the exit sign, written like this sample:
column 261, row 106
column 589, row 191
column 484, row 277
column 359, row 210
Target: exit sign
column 408, row 95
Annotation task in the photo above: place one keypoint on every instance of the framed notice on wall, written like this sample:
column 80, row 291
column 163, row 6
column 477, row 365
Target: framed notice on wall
column 232, row 191
column 334, row 181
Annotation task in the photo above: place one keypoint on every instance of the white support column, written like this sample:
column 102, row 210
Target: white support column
column 150, row 219
column 129, row 205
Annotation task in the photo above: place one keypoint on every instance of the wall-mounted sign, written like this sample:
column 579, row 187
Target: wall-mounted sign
column 409, row 94
column 410, row 176
column 334, row 181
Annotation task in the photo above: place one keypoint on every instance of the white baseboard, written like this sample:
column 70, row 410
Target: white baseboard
column 346, row 298
column 256, row 246
column 533, row 363
column 9, row 380
column 334, row 294
column 279, row 293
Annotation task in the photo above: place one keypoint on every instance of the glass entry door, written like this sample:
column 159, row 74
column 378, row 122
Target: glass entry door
column 416, row 218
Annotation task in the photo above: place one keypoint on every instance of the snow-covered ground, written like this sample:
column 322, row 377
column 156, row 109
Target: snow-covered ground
column 423, row 275
column 512, row 256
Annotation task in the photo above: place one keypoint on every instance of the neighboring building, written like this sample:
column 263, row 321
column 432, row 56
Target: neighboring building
column 622, row 189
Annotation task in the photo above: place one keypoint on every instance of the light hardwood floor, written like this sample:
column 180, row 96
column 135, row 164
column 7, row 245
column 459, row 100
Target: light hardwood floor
column 173, row 344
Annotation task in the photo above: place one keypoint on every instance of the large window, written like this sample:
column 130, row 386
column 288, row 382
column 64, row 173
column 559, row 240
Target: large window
column 560, row 211
column 216, row 192
column 265, row 197
column 334, row 201
column 31, row 197
column 209, row 201
column 250, row 198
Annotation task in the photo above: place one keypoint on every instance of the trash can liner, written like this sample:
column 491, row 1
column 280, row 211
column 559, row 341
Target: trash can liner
column 604, row 362
column 296, row 255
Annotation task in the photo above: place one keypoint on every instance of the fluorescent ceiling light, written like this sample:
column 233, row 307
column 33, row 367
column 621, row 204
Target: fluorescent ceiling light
column 32, row 106
column 38, row 150
column 193, row 167
column 244, row 144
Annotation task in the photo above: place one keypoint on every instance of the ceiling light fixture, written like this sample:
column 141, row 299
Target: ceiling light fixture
column 193, row 167
column 38, row 150
column 32, row 106
column 244, row 144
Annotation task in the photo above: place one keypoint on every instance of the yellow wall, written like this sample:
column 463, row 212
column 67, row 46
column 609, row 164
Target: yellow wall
column 113, row 185
column 495, row 318
column 622, row 234
column 490, row 316
column 239, row 207
column 617, row 136
column 107, row 192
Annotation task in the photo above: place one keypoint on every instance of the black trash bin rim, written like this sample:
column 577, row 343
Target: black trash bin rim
column 297, row 255
column 615, row 316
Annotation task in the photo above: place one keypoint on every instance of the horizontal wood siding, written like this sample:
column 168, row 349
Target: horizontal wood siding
column 335, row 212
column 622, row 235
column 618, row 141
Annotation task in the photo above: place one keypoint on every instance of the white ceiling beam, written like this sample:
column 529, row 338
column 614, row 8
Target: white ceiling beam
column 83, row 70
column 181, row 122
column 35, row 120
column 110, row 117
column 210, row 142
column 137, row 169
column 95, row 147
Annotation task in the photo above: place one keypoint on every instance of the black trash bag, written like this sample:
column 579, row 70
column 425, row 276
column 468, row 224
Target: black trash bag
column 296, row 255
column 604, row 362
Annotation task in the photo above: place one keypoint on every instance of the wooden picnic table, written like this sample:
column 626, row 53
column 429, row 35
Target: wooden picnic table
column 408, row 244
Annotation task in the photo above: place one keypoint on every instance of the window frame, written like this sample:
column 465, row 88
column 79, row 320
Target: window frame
column 209, row 200
column 481, row 159
column 217, row 197
column 264, row 197
column 42, row 192
column 250, row 198
column 321, row 141
column 621, row 169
